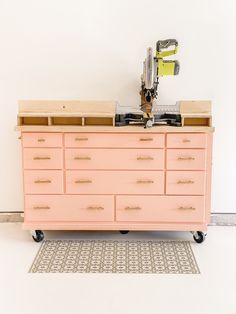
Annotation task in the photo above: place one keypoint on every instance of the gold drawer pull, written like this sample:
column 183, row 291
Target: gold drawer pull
column 42, row 181
column 82, row 158
column 81, row 139
column 145, row 158
column 186, row 158
column 83, row 181
column 186, row 208
column 41, row 140
column 185, row 182
column 42, row 158
column 186, row 140
column 133, row 208
column 95, row 207
column 144, row 181
column 146, row 139
column 41, row 207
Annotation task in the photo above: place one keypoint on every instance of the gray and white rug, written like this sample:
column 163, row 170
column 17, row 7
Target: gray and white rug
column 115, row 256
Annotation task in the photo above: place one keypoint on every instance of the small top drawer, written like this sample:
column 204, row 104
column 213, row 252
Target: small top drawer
column 118, row 140
column 42, row 139
column 186, row 140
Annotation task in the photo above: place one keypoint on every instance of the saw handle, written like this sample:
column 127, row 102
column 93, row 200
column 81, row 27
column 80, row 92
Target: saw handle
column 163, row 44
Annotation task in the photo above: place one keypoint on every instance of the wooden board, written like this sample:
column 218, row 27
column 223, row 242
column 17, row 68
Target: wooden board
column 67, row 106
column 195, row 107
column 126, row 129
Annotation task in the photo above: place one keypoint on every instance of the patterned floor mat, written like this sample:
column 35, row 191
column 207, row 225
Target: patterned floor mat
column 115, row 256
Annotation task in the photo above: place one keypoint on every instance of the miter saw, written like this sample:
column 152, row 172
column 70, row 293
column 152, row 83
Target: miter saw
column 153, row 68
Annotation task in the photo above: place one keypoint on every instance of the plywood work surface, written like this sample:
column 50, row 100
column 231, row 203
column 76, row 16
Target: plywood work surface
column 112, row 129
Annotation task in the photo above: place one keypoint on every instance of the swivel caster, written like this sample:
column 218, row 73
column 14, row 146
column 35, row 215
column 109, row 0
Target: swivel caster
column 124, row 231
column 38, row 235
column 199, row 236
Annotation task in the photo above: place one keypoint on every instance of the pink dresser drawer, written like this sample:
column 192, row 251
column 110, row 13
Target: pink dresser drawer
column 161, row 209
column 89, row 158
column 119, row 140
column 42, row 139
column 114, row 182
column 72, row 208
column 43, row 181
column 186, row 159
column 186, row 140
column 185, row 182
column 42, row 158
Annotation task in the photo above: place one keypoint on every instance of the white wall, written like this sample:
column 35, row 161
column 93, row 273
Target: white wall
column 71, row 49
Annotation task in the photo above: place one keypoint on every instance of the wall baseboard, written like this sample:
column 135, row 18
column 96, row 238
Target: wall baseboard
column 223, row 219
column 11, row 217
column 217, row 219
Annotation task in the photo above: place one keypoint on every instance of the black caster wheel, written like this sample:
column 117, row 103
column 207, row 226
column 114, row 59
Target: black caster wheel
column 124, row 231
column 199, row 236
column 38, row 236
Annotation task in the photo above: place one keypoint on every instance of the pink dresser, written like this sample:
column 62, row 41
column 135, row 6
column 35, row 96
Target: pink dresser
column 158, row 179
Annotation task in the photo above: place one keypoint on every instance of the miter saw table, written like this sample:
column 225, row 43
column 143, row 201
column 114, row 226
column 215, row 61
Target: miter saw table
column 138, row 119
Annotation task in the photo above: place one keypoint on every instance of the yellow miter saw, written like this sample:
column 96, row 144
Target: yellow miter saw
column 153, row 68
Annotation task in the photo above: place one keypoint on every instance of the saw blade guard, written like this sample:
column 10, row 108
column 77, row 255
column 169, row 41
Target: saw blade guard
column 149, row 69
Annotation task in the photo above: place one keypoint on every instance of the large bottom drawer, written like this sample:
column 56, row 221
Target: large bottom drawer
column 53, row 208
column 176, row 209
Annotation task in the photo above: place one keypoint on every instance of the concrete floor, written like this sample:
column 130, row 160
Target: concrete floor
column 211, row 292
